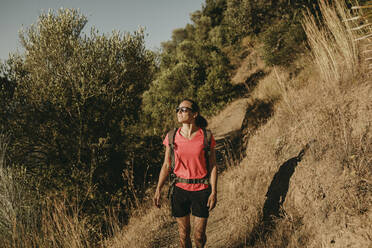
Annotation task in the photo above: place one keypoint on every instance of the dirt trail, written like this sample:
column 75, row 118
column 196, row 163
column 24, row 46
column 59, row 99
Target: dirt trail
column 168, row 237
column 216, row 222
column 230, row 119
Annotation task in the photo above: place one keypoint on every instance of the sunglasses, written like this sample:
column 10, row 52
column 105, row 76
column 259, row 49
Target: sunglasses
column 183, row 109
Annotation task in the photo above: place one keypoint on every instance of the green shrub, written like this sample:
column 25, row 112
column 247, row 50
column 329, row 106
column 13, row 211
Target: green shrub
column 282, row 43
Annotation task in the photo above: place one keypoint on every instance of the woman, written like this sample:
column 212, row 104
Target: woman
column 190, row 163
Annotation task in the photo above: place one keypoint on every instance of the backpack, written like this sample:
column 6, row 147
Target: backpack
column 173, row 178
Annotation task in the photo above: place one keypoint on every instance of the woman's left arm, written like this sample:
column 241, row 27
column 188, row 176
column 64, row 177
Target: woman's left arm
column 212, row 200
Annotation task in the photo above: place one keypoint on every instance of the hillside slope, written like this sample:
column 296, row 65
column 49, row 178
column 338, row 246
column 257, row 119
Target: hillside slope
column 309, row 168
column 299, row 154
column 305, row 181
column 321, row 198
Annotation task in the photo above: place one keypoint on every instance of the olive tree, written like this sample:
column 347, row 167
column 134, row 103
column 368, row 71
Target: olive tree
column 79, row 97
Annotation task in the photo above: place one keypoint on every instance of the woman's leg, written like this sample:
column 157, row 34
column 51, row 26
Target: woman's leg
column 200, row 227
column 184, row 229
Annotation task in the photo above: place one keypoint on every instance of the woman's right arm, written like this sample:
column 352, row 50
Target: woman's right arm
column 164, row 172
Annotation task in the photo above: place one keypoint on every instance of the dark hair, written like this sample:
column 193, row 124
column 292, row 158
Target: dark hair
column 200, row 121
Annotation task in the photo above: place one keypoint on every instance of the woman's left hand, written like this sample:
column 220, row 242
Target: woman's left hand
column 212, row 200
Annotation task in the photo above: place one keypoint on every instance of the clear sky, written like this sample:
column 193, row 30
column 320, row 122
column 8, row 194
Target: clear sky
column 159, row 17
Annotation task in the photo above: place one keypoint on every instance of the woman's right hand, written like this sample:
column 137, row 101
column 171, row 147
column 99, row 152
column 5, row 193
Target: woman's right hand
column 164, row 172
column 156, row 199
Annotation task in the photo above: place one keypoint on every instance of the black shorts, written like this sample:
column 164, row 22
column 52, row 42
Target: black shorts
column 185, row 202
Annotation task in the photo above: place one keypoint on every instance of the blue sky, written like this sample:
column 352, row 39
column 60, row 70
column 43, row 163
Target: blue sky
column 159, row 17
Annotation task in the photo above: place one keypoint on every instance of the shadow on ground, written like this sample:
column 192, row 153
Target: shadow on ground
column 276, row 193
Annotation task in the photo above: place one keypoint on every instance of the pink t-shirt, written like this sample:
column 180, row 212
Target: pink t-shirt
column 189, row 158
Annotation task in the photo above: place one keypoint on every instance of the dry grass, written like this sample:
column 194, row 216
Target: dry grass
column 148, row 227
column 26, row 220
column 335, row 51
column 53, row 224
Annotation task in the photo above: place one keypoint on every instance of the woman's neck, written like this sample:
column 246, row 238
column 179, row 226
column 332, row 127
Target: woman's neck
column 189, row 129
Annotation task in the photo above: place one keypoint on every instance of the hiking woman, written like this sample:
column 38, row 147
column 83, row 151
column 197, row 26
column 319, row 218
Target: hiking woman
column 194, row 190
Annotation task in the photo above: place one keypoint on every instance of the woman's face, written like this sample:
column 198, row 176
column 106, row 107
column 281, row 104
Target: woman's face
column 184, row 113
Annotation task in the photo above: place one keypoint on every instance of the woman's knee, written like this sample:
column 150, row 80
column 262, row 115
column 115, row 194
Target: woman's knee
column 200, row 237
column 184, row 230
column 184, row 233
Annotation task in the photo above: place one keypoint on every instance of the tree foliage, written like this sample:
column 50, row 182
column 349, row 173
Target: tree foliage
column 192, row 65
column 199, row 71
column 282, row 43
column 275, row 23
column 75, row 122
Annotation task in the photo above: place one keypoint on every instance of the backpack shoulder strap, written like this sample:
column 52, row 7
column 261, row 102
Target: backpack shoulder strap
column 171, row 136
column 207, row 138
column 207, row 146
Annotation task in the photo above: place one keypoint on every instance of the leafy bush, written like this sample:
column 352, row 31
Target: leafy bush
column 282, row 43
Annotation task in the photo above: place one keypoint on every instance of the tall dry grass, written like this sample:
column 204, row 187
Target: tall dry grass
column 29, row 220
column 332, row 44
column 62, row 225
column 16, row 208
